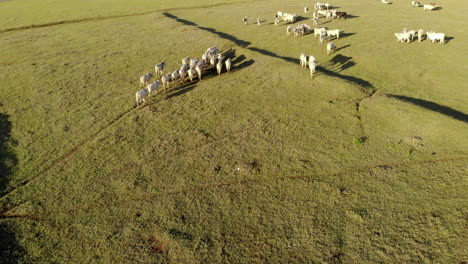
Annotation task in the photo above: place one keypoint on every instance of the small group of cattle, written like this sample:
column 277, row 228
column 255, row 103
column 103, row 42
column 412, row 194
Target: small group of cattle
column 429, row 6
column 408, row 36
column 193, row 67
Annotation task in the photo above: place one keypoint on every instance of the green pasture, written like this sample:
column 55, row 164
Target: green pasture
column 365, row 163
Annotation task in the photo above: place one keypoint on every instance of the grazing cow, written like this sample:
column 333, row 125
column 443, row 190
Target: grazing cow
column 330, row 48
column 403, row 37
column 158, row 69
column 385, row 2
column 289, row 18
column 306, row 10
column 319, row 31
column 303, row 59
column 322, row 37
column 334, row 32
column 219, row 67
column 245, row 20
column 165, row 79
column 420, row 35
column 339, row 15
column 430, row 7
column 415, row 3
column 182, row 74
column 228, row 65
column 312, row 66
column 141, row 95
column 153, row 87
column 288, row 30
column 191, row 73
column 432, row 36
column 259, row 20
column 198, row 69
column 144, row 79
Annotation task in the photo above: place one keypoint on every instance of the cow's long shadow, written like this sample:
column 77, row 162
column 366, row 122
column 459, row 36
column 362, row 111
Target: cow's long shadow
column 445, row 110
column 363, row 84
column 10, row 250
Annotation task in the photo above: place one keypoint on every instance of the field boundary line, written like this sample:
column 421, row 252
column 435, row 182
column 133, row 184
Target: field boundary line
column 88, row 19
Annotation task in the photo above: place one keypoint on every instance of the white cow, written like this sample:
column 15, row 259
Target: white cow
column 415, row 3
column 199, row 72
column 306, row 10
column 303, row 59
column 330, row 48
column 288, row 30
column 213, row 61
column 144, row 79
column 245, row 20
column 259, row 20
column 322, row 37
column 312, row 58
column 185, row 60
column 141, row 95
column 228, row 65
column 403, row 37
column 385, row 2
column 191, row 73
column 334, row 32
column 183, row 74
column 430, row 7
column 219, row 67
column 312, row 66
column 165, row 79
column 420, row 35
column 175, row 75
column 153, row 87
column 319, row 31
column 432, row 36
column 158, row 68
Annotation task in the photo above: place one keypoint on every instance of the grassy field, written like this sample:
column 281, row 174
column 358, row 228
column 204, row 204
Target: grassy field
column 366, row 163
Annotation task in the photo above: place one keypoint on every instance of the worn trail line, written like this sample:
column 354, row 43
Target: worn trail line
column 202, row 187
column 60, row 160
column 79, row 20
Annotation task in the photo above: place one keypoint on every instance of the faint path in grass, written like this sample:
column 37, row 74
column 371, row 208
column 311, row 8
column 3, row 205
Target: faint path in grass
column 10, row 250
column 79, row 20
column 320, row 177
column 238, row 64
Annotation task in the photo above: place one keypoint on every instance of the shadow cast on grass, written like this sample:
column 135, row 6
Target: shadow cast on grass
column 10, row 250
column 445, row 110
column 223, row 35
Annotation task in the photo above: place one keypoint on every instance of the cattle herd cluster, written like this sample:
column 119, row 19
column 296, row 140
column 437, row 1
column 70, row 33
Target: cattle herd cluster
column 213, row 59
column 191, row 67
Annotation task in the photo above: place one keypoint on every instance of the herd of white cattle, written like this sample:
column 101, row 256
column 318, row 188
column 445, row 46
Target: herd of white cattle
column 212, row 58
column 191, row 68
column 408, row 36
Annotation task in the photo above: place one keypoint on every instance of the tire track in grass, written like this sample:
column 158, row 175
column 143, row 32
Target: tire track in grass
column 88, row 19
column 203, row 187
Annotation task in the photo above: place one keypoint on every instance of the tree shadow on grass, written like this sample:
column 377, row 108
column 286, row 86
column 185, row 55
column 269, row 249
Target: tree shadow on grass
column 445, row 110
column 10, row 251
